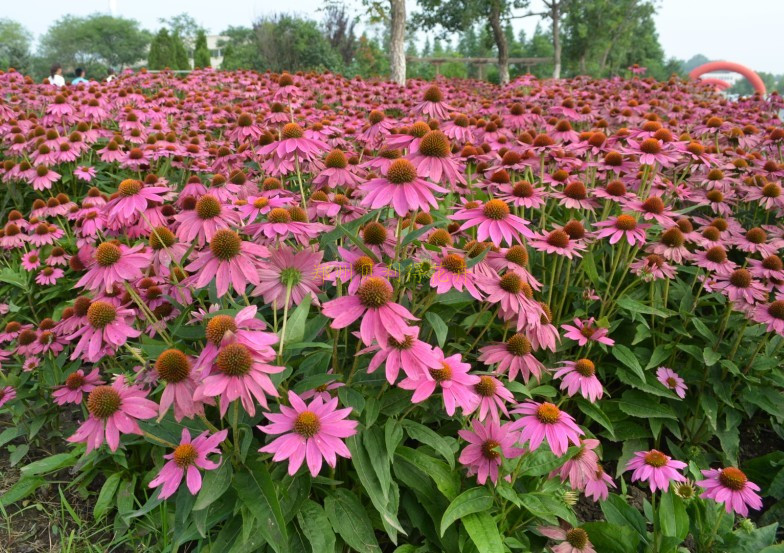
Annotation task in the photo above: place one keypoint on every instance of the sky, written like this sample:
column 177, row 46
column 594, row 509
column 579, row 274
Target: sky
column 746, row 33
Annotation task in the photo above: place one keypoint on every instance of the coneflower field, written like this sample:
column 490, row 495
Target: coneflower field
column 284, row 313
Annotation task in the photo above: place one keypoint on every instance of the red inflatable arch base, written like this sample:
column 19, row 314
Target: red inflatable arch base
column 750, row 75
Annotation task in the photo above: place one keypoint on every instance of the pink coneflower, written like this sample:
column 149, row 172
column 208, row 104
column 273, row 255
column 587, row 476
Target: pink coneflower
column 84, row 173
column 165, row 250
column 488, row 445
column 243, row 327
column 133, row 198
column 433, row 159
column 7, row 394
column 654, row 209
column 44, row 178
column 452, row 272
column 740, row 286
column 240, row 372
column 455, row 382
column 671, row 381
column 598, row 486
column 412, row 355
column 522, row 194
column 580, row 376
column 584, row 331
column 324, row 390
column 623, row 226
column 513, row 259
column 755, row 240
column 772, row 315
column 289, row 276
column 656, row 468
column 337, row 172
column 293, row 143
column 574, row 540
column 514, row 298
column 230, row 261
column 113, row 411
column 492, row 397
column 186, row 460
column 715, row 260
column 433, row 104
column 771, row 268
column 354, row 268
column 652, row 151
column 314, row 431
column 731, row 487
column 202, row 222
column 382, row 317
column 494, row 220
column 557, row 242
column 76, row 385
column 173, row 367
column 671, row 246
column 513, row 357
column 542, row 421
column 106, row 330
column 581, row 467
column 48, row 276
column 45, row 234
column 280, row 223
column 402, row 189
column 112, row 263
column 31, row 260
column 575, row 196
column 261, row 205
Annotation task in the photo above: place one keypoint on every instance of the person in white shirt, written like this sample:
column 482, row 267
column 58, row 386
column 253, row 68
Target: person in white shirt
column 56, row 75
column 111, row 76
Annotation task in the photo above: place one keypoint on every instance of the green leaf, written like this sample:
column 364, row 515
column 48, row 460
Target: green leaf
column 316, row 527
column 350, row 520
column 49, row 464
column 23, row 487
column 625, row 356
column 446, row 479
column 413, row 235
column 542, row 461
column 214, row 485
column 9, row 434
column 638, row 404
column 483, row 531
column 703, row 329
column 439, row 327
column 295, row 327
column 474, row 260
column 611, row 538
column 19, row 452
column 634, row 306
column 711, row 357
column 595, row 413
column 10, row 276
column 475, row 500
column 257, row 492
column 393, row 435
column 357, row 242
column 589, row 266
column 425, row 435
column 673, row 519
column 347, row 229
column 766, row 398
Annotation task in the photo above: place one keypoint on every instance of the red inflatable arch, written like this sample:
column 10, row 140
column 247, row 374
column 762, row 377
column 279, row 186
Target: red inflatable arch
column 718, row 84
column 750, row 75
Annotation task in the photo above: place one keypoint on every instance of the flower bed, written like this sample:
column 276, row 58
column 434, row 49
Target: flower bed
column 291, row 313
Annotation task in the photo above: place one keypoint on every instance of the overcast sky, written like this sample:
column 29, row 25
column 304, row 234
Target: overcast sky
column 747, row 32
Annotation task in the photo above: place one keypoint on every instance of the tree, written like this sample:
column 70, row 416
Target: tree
column 181, row 59
column 397, row 41
column 183, row 25
column 161, row 53
column 292, row 44
column 555, row 9
column 240, row 50
column 15, row 43
column 339, row 29
column 458, row 15
column 94, row 42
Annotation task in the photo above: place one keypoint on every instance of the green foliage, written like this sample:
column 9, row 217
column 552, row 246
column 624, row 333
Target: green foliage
column 293, row 44
column 201, row 54
column 15, row 43
column 161, row 53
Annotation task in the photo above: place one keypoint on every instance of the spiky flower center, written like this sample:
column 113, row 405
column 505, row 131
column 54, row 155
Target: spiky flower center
column 654, row 205
column 225, row 244
column 208, row 207
column 162, row 238
column 740, row 278
column 558, row 239
column 574, row 229
column 511, row 282
column 401, row 171
column 756, row 236
column 577, row 537
column 234, row 360
column 218, row 326
column 292, row 130
column 733, row 479
column 103, row 402
column 442, row 374
column 497, row 210
column 523, row 189
column 517, row 255
column 74, row 381
column 173, row 366
column 625, row 222
column 490, row 450
column 616, row 189
column 100, row 314
column 433, row 94
column 374, row 234
column 261, row 202
column 720, row 223
column 129, row 187
column 715, row 196
column 673, row 238
column 486, row 386
column 585, row 367
column 650, row 146
column 406, row 344
column 575, row 190
column 771, row 190
column 454, row 263
column 307, row 424
column 776, row 309
column 440, row 237
column 716, row 254
column 374, row 292
column 655, row 458
column 434, row 144
column 107, row 254
column 547, row 413
column 518, row 345
column 184, row 455
column 279, row 215
column 336, row 159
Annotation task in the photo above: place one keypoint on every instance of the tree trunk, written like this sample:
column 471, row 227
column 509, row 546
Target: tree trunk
column 397, row 46
column 555, row 15
column 500, row 42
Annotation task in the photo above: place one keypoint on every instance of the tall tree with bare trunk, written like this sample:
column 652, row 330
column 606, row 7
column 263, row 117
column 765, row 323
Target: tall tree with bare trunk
column 397, row 41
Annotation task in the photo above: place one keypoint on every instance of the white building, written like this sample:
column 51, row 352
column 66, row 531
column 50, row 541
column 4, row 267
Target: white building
column 726, row 76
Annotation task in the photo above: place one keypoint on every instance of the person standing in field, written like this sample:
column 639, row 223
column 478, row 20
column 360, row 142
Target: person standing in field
column 56, row 75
